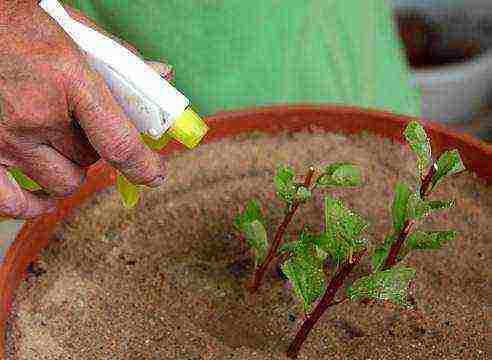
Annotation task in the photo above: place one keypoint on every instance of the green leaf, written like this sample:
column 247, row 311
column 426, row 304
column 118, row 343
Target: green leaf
column 439, row 205
column 429, row 240
column 284, row 184
column 337, row 250
column 343, row 229
column 420, row 145
column 381, row 253
column 256, row 237
column 399, row 207
column 389, row 285
column 320, row 253
column 302, row 195
column 305, row 237
column 342, row 221
column 252, row 225
column 379, row 257
column 305, row 270
column 418, row 208
column 287, row 248
column 340, row 175
column 24, row 181
column 251, row 213
column 449, row 163
column 130, row 193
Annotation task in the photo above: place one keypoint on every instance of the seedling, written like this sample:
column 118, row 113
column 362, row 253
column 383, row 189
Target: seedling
column 292, row 194
column 305, row 261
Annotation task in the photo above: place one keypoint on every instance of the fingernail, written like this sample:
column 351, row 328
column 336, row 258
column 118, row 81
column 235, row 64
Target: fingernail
column 158, row 181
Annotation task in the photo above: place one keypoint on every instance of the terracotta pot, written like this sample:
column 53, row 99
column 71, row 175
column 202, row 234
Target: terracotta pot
column 35, row 234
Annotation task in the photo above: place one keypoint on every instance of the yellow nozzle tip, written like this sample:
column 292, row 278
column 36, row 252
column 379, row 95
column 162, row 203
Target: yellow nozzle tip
column 189, row 129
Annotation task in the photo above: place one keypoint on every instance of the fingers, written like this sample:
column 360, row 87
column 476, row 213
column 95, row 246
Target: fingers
column 56, row 174
column 111, row 133
column 20, row 204
column 72, row 143
column 165, row 70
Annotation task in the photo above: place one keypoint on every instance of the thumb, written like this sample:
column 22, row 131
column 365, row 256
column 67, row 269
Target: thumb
column 18, row 203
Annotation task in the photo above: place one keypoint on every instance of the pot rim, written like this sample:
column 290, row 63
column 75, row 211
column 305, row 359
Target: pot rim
column 36, row 234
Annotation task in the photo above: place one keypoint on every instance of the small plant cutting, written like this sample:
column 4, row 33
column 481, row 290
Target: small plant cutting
column 318, row 265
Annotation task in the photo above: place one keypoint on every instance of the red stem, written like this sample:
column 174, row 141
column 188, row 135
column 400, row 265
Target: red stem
column 407, row 227
column 261, row 270
column 396, row 246
column 325, row 302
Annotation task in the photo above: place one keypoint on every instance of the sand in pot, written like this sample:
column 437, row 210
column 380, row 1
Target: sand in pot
column 167, row 281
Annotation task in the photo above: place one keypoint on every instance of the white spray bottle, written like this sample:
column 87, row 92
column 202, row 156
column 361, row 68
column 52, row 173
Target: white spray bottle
column 152, row 104
column 155, row 107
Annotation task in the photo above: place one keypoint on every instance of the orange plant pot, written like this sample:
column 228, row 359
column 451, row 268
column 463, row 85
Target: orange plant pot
column 36, row 234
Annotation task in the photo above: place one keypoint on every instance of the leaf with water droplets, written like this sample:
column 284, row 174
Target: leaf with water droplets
column 302, row 195
column 251, row 213
column 385, row 285
column 286, row 248
column 340, row 175
column 343, row 229
column 284, row 184
column 429, row 240
column 449, row 163
column 305, row 270
column 256, row 237
column 418, row 208
column 420, row 145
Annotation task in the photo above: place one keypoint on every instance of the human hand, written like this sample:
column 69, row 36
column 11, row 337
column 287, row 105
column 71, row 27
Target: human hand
column 57, row 116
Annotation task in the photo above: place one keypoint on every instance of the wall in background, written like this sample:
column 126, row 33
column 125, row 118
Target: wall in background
column 484, row 4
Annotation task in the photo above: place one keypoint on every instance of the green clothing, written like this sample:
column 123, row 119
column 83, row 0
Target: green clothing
column 231, row 54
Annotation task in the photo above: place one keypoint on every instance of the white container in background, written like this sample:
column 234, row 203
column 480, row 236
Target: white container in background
column 457, row 92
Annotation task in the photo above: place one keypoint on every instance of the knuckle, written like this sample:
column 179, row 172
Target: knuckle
column 154, row 181
column 70, row 186
column 12, row 205
column 82, row 78
column 67, row 190
column 148, row 175
column 122, row 152
column 142, row 170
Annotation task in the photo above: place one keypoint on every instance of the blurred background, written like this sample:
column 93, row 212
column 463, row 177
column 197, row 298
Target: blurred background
column 448, row 44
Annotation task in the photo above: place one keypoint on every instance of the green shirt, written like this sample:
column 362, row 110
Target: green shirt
column 232, row 54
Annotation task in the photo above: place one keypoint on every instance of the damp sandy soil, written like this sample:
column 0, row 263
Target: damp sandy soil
column 167, row 280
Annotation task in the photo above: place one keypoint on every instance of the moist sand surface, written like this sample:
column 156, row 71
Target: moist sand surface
column 167, row 279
